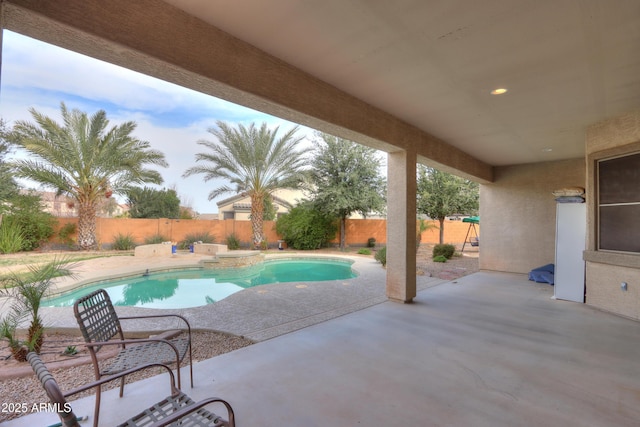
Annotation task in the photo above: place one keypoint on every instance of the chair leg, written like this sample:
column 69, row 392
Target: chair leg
column 178, row 371
column 96, row 410
column 191, row 371
column 122, row 385
column 191, row 363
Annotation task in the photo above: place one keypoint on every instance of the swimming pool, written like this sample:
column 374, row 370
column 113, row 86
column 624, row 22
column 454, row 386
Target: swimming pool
column 196, row 287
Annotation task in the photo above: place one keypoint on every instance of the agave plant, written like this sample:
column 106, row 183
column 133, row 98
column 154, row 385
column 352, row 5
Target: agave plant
column 27, row 292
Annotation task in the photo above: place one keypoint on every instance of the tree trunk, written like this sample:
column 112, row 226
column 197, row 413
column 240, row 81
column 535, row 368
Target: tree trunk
column 19, row 353
column 87, row 225
column 35, row 335
column 257, row 210
column 441, row 230
column 343, row 232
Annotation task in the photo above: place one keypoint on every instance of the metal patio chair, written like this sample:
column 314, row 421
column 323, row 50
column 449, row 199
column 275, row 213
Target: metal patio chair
column 177, row 409
column 100, row 327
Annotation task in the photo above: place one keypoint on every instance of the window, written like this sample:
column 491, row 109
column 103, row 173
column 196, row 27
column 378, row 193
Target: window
column 228, row 215
column 618, row 204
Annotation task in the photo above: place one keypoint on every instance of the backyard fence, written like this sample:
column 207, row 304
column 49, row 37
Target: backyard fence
column 358, row 231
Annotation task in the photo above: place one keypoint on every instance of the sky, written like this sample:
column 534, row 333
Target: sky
column 172, row 118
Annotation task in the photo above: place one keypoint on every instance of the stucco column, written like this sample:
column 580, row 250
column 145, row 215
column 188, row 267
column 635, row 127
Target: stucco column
column 401, row 226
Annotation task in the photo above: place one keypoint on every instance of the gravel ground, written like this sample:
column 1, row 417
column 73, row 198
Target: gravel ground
column 459, row 265
column 27, row 389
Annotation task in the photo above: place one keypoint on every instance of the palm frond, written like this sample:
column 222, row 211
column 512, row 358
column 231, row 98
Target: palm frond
column 83, row 156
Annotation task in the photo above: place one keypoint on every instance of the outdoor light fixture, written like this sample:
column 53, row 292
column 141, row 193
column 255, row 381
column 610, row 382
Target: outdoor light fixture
column 498, row 91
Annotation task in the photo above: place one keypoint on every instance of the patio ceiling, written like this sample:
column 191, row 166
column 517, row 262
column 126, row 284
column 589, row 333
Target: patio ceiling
column 392, row 75
column 433, row 63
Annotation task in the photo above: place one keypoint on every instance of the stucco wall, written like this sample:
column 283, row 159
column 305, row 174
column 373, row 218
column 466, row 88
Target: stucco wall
column 518, row 213
column 607, row 270
column 358, row 230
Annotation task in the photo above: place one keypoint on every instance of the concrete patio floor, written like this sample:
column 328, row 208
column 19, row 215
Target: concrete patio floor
column 489, row 349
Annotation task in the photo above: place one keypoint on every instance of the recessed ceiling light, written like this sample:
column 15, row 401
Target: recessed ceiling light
column 547, row 150
column 499, row 91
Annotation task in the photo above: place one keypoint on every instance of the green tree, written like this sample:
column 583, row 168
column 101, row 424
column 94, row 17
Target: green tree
column 346, row 179
column 151, row 203
column 9, row 187
column 254, row 162
column 84, row 160
column 441, row 194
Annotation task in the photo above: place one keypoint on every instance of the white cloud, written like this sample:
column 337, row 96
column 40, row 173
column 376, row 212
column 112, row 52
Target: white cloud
column 40, row 76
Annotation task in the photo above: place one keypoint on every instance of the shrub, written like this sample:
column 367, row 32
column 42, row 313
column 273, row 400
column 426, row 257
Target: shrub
column 421, row 228
column 123, row 242
column 440, row 258
column 70, row 350
column 306, row 228
column 11, row 237
column 446, row 250
column 381, row 256
column 371, row 242
column 65, row 233
column 28, row 216
column 202, row 236
column 364, row 251
column 233, row 243
column 156, row 238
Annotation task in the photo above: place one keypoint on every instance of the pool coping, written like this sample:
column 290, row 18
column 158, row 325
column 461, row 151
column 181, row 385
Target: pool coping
column 68, row 285
column 258, row 313
column 69, row 288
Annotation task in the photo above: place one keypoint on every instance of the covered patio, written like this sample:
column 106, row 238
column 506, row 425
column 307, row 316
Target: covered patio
column 415, row 79
column 490, row 349
column 522, row 96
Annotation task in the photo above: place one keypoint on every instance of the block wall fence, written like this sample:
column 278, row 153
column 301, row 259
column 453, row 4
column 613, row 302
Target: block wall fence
column 358, row 230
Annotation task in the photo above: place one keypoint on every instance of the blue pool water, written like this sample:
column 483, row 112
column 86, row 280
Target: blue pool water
column 192, row 288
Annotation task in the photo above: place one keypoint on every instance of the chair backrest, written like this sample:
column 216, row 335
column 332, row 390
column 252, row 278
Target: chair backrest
column 59, row 403
column 96, row 317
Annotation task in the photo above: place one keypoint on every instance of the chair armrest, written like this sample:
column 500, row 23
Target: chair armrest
column 150, row 316
column 134, row 341
column 192, row 408
column 104, row 380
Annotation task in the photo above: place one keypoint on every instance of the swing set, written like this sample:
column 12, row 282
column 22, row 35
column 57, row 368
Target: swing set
column 472, row 233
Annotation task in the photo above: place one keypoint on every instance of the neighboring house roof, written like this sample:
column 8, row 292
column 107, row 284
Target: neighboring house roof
column 239, row 202
column 232, row 199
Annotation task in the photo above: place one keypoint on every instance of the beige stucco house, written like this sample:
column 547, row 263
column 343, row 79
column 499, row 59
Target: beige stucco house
column 523, row 99
column 239, row 206
column 65, row 207
column 60, row 206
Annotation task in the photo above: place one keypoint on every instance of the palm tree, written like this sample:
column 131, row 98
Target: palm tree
column 28, row 291
column 84, row 160
column 255, row 162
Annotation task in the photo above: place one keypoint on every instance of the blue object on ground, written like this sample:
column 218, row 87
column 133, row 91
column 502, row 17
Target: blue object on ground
column 543, row 274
